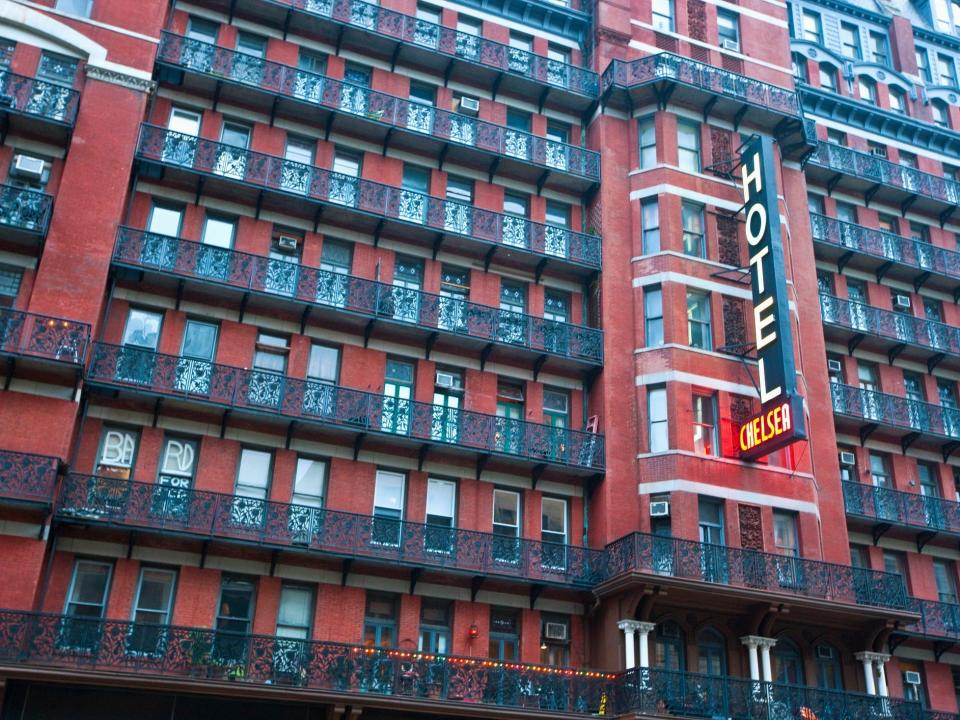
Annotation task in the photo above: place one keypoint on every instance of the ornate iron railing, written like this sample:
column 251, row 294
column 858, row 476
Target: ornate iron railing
column 43, row 336
column 738, row 567
column 887, row 246
column 899, row 327
column 915, row 416
column 452, row 43
column 39, row 98
column 323, row 288
column 937, row 619
column 27, row 477
column 939, row 715
column 666, row 66
column 880, row 170
column 352, row 100
column 344, row 534
column 314, row 401
column 364, row 196
column 896, row 507
column 25, row 210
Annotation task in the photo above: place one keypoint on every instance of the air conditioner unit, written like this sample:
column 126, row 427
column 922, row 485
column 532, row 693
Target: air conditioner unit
column 902, row 301
column 287, row 242
column 660, row 508
column 469, row 105
column 729, row 44
column 824, row 652
column 834, row 366
column 911, row 677
column 847, row 458
column 28, row 167
column 555, row 631
column 447, row 380
column 879, row 151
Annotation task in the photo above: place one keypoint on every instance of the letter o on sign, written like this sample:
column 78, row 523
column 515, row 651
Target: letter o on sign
column 756, row 223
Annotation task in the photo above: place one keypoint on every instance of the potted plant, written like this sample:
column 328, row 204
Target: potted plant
column 200, row 647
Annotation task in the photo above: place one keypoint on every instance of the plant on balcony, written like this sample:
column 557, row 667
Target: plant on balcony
column 201, row 646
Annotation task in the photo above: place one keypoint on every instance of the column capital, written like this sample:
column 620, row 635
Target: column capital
column 758, row 641
column 629, row 626
column 870, row 656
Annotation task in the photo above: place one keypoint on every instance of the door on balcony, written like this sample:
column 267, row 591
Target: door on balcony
column 662, row 546
column 517, row 134
column 835, row 373
column 439, row 533
column 937, row 333
column 151, row 612
column 296, row 173
column 860, row 564
column 380, row 622
column 884, row 500
column 355, row 89
column 232, row 154
column 711, row 653
column 178, row 466
column 420, row 111
column 829, row 307
column 195, row 365
column 333, row 279
column 891, row 243
column 180, row 140
column 945, row 574
column 514, row 229
column 311, row 68
column 509, row 437
column 344, row 188
column 948, row 406
column 323, row 370
column 669, row 648
column 859, row 312
column 427, row 28
column 107, row 494
column 435, row 627
column 305, row 515
column 214, row 255
column 713, row 559
column 397, row 397
column 504, row 634
column 506, row 527
column 556, row 316
column 916, row 401
column 447, row 401
column 81, row 629
column 283, row 265
column 556, row 416
column 556, row 239
column 829, row 669
column 458, row 208
column 267, row 378
column 248, row 511
column 787, row 663
column 388, row 502
column 911, row 673
column 198, row 49
column 137, row 358
column 554, row 533
column 557, row 150
column 291, row 652
column 847, row 215
column 922, row 248
column 414, row 191
column 452, row 314
column 248, row 61
column 903, row 323
column 870, row 398
column 785, row 541
column 933, row 509
column 512, row 326
column 234, row 621
column 157, row 246
column 405, row 294
column 52, row 96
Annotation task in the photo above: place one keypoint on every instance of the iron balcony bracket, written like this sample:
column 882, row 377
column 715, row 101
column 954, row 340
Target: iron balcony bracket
column 879, row 530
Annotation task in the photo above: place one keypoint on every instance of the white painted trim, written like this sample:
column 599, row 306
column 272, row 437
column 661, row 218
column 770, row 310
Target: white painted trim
column 667, row 188
column 728, row 461
column 705, row 381
column 744, row 496
column 21, row 529
column 699, row 351
column 649, row 49
column 694, row 282
column 703, row 176
column 87, row 21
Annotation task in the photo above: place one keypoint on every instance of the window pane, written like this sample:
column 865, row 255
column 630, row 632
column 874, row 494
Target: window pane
column 309, row 479
column 389, row 492
column 506, row 508
column 254, row 473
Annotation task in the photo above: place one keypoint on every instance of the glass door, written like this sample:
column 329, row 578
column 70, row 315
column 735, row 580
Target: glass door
column 511, row 324
column 413, row 194
column 458, row 207
column 178, row 465
column 137, row 358
column 557, row 151
column 553, row 533
column 514, row 230
column 452, row 303
column 556, row 416
column 933, row 508
column 506, row 526
column 214, row 256
column 517, row 135
column 916, row 400
column 195, row 366
column 713, row 559
column 232, row 153
column 556, row 239
column 388, row 498
column 870, row 397
column 355, row 89
column 309, row 83
column 509, row 423
column 859, row 310
column 296, row 172
column 248, row 61
column 420, row 108
column 234, row 622
column 180, row 140
column 151, row 612
column 199, row 47
column 948, row 405
column 266, row 385
column 397, row 397
column 405, row 294
column 159, row 247
column 439, row 534
column 333, row 278
column 283, row 265
column 787, row 545
column 344, row 186
column 305, row 515
column 249, row 509
column 556, row 335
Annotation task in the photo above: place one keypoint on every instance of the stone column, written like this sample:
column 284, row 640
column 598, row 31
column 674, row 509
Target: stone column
column 644, row 629
column 751, row 642
column 765, row 645
column 629, row 627
column 867, row 659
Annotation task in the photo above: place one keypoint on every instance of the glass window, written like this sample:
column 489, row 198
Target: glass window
column 653, row 315
column 798, row 63
column 308, row 482
column 253, row 473
column 898, row 100
column 324, row 363
column 941, row 113
column 271, row 353
column 154, row 598
column 648, row 143
column 118, row 449
column 553, row 527
column 312, row 62
column 657, row 419
column 812, row 27
column 142, row 329
column 945, row 575
column 295, row 613
column 434, row 626
column 75, row 7
column 218, row 231
column 688, row 145
column 554, row 639
column 650, row 221
column 178, row 465
column 878, row 47
column 711, row 653
column 828, row 76
column 850, row 40
column 785, row 533
column 10, row 278
column 504, row 634
column 947, row 70
column 251, row 44
column 234, row 616
column 728, row 24
column 87, row 597
column 380, row 624
column 694, row 242
column 923, row 65
column 506, row 513
column 662, row 15
column 460, row 189
column 388, row 494
column 704, row 424
column 56, row 69
column 698, row 320
column 868, row 89
column 346, row 163
column 441, row 502
column 515, row 204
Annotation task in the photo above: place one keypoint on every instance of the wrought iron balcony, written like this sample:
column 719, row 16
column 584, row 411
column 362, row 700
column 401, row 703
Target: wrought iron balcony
column 38, row 99
column 44, row 337
column 913, row 421
column 464, row 326
column 878, row 178
column 203, row 655
column 937, row 619
column 24, row 212
column 283, row 185
column 755, row 570
column 29, row 478
column 333, row 406
column 887, row 254
column 720, row 93
column 375, row 115
column 886, row 507
column 898, row 333
column 940, row 715
column 331, row 532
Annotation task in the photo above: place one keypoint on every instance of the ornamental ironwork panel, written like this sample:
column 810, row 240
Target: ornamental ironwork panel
column 264, row 391
column 27, row 477
column 902, row 508
column 30, row 96
column 896, row 411
column 25, row 209
column 43, row 336
column 184, row 258
column 937, row 619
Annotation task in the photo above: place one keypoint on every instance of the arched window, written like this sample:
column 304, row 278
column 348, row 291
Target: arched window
column 670, row 647
column 711, row 653
column 941, row 113
column 829, row 672
column 898, row 100
column 868, row 88
column 828, row 77
column 787, row 662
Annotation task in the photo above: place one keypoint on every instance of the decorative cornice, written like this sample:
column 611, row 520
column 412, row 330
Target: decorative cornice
column 937, row 38
column 853, row 10
column 118, row 77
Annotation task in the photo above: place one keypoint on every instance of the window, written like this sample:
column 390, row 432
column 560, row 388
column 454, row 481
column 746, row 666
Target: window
column 868, row 89
column 9, row 285
column 441, row 515
column 898, row 100
column 506, row 526
column 694, row 242
column 688, row 145
column 785, row 533
column 878, row 48
column 517, row 134
column 945, row 575
column 705, row 424
column 728, row 24
column 218, row 231
column 923, row 65
column 698, row 320
column 504, row 634
column 234, row 618
column 829, row 668
column 75, row 7
column 118, row 450
column 657, row 419
column 554, row 639
column 946, row 70
column 836, row 137
column 151, row 609
column 434, row 626
column 711, row 653
column 380, row 623
column 460, row 189
column 908, row 159
column 648, row 143
column 178, row 464
column 662, row 15
column 946, row 16
column 653, row 315
column 295, row 614
column 86, row 604
column 893, row 562
column 56, row 69
column 799, row 65
column 850, row 40
column 553, row 525
column 519, row 57
column 812, row 27
column 941, row 113
column 253, row 479
column 388, row 501
column 142, row 329
column 828, row 76
column 650, row 221
column 308, row 482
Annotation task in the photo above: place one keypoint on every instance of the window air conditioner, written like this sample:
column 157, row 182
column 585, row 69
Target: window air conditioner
column 447, row 380
column 729, row 44
column 911, row 677
column 847, row 458
column 834, row 366
column 902, row 301
column 660, row 508
column 555, row 631
column 824, row 652
column 287, row 242
column 30, row 168
column 469, row 105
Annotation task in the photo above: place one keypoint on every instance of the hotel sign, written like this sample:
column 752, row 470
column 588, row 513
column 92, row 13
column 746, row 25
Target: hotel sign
column 781, row 419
